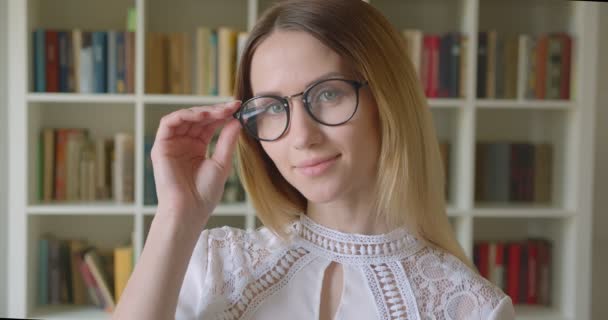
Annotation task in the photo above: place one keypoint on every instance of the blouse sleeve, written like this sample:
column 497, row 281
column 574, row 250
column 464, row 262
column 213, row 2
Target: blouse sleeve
column 193, row 289
column 504, row 310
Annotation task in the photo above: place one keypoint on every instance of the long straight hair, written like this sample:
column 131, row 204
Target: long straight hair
column 410, row 185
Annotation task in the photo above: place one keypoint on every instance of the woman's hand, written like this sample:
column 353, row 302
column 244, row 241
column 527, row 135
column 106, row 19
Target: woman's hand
column 189, row 183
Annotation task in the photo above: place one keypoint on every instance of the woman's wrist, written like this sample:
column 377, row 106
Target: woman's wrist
column 178, row 225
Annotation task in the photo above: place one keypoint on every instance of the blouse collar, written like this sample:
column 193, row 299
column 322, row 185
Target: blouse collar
column 355, row 248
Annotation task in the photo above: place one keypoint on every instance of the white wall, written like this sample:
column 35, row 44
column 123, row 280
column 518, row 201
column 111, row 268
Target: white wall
column 599, row 307
column 3, row 156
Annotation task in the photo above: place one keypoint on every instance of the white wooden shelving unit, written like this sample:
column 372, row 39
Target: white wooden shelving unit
column 567, row 124
column 3, row 151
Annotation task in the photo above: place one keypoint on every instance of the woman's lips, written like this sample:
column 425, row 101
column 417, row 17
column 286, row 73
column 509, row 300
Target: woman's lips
column 318, row 168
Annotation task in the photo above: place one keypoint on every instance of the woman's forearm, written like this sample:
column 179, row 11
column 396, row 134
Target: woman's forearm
column 153, row 288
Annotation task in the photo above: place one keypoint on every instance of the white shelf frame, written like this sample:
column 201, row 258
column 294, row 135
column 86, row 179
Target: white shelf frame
column 463, row 210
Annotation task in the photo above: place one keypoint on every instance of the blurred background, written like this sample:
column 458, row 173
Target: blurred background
column 518, row 90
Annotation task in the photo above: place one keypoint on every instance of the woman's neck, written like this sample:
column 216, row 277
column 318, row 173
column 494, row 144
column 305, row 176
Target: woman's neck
column 347, row 217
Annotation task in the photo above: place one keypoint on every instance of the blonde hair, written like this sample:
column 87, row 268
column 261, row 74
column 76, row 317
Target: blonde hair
column 410, row 184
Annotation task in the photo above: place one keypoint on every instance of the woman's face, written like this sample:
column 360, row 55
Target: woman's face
column 284, row 64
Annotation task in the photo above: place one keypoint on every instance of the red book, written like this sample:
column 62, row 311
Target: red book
column 566, row 65
column 541, row 66
column 425, row 68
column 533, row 269
column 52, row 61
column 513, row 270
column 434, row 67
column 61, row 140
column 430, row 65
column 484, row 260
column 544, row 286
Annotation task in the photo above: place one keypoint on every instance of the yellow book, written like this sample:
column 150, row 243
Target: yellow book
column 227, row 38
column 202, row 65
column 123, row 265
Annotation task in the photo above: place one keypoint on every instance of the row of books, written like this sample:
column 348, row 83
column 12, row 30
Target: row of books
column 72, row 166
column 83, row 61
column 529, row 66
column 439, row 61
column 234, row 191
column 521, row 269
column 70, row 271
column 513, row 172
column 203, row 62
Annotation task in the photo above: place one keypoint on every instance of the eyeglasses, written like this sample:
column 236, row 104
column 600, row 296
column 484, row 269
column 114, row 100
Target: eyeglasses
column 331, row 102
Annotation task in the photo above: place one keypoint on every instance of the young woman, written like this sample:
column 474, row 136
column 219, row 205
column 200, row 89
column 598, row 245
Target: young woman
column 338, row 153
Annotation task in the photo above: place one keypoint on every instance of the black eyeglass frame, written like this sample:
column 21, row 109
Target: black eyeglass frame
column 285, row 102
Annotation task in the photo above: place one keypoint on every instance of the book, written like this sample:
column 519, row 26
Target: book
column 123, row 266
column 94, row 264
column 123, row 167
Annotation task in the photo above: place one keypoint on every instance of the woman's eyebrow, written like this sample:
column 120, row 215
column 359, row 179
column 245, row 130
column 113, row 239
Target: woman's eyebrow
column 324, row 76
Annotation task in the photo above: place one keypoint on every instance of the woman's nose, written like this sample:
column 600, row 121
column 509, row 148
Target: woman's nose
column 303, row 131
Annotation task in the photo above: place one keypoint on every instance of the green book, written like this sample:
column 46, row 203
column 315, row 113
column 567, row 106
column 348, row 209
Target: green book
column 131, row 19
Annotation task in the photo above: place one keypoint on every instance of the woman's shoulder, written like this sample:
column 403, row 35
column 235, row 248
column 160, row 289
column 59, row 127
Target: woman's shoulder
column 438, row 276
column 225, row 259
column 230, row 249
column 246, row 239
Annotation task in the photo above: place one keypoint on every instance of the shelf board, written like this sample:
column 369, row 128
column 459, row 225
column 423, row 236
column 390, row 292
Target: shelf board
column 520, row 211
column 524, row 312
column 84, row 208
column 81, row 97
column 523, row 104
column 69, row 312
column 454, row 212
column 178, row 99
column 223, row 209
column 445, row 103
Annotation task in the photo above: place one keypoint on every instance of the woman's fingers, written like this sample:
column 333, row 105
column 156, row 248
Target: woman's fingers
column 179, row 122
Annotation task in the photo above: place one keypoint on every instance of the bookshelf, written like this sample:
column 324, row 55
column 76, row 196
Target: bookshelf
column 3, row 147
column 463, row 121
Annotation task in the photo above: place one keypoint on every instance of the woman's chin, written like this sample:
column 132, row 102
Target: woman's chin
column 320, row 196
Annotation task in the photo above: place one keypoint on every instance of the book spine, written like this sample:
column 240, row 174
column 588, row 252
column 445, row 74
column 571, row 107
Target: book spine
column 482, row 62
column 39, row 60
column 99, row 61
column 513, row 272
column 111, row 54
column 52, row 61
column 62, row 39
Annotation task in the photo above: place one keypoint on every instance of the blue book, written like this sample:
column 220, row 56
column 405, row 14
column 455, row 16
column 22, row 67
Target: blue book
column 100, row 61
column 39, row 60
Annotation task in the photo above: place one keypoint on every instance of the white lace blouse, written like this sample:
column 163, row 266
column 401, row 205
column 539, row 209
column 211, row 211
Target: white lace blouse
column 241, row 274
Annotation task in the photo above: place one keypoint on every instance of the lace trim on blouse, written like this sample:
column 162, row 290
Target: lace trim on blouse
column 268, row 281
column 353, row 248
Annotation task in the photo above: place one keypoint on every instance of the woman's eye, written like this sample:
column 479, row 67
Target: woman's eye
column 276, row 108
column 328, row 95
